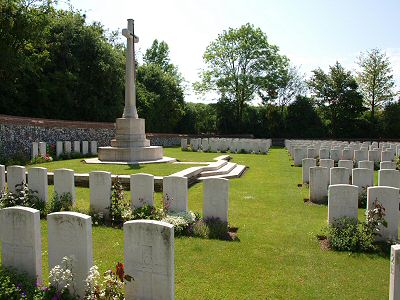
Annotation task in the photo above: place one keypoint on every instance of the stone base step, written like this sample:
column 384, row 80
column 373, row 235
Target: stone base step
column 223, row 170
column 234, row 173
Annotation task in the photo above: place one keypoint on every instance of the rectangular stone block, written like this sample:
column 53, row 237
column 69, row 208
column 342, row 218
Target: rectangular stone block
column 311, row 152
column 339, row 175
column 348, row 164
column 373, row 155
column 335, row 154
column 205, row 145
column 67, row 147
column 360, row 155
column 59, row 148
column 77, row 146
column 149, row 258
column 366, row 164
column 326, row 163
column 389, row 178
column 389, row 198
column 37, row 181
column 324, row 153
column 142, row 190
column 347, row 154
column 299, row 154
column 85, row 147
column 175, row 192
column 342, row 202
column 387, row 155
column 15, row 176
column 216, row 198
column 100, row 192
column 2, row 178
column 20, row 240
column 70, row 234
column 307, row 163
column 42, row 149
column 319, row 181
column 394, row 290
column 35, row 150
column 93, row 147
column 362, row 177
column 387, row 165
column 184, row 144
column 64, row 182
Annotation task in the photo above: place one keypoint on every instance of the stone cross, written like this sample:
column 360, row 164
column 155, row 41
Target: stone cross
column 130, row 87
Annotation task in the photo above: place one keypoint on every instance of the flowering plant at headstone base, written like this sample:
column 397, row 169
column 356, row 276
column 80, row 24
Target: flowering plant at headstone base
column 112, row 286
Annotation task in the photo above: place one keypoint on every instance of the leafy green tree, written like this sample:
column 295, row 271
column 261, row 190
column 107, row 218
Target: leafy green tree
column 338, row 99
column 158, row 54
column 240, row 66
column 160, row 98
column 391, row 120
column 198, row 118
column 375, row 79
column 303, row 121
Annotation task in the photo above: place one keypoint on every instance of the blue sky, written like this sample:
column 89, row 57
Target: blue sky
column 312, row 33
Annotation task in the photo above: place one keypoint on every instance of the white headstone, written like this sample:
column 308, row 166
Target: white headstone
column 20, row 240
column 15, row 176
column 2, row 178
column 204, row 145
column 35, row 149
column 342, row 201
column 335, row 154
column 360, row 155
column 175, row 192
column 37, row 181
column 59, row 148
column 319, row 180
column 183, row 144
column 77, row 146
column 67, row 147
column 64, row 183
column 42, row 149
column 394, row 290
column 326, row 163
column 347, row 154
column 389, row 178
column 85, row 147
column 387, row 165
column 142, row 190
column 70, row 234
column 149, row 258
column 324, row 153
column 100, row 192
column 339, row 175
column 373, row 155
column 346, row 164
column 307, row 163
column 216, row 198
column 363, row 177
column 387, row 155
column 366, row 164
column 389, row 198
column 299, row 154
column 93, row 147
column 311, row 152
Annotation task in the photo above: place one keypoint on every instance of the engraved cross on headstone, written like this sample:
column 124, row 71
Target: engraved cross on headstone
column 130, row 86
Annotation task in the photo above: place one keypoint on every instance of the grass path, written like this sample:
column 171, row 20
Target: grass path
column 277, row 257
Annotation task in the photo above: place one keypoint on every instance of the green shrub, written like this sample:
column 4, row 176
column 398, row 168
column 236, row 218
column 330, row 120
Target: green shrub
column 347, row 234
column 61, row 202
column 120, row 208
column 217, row 228
column 362, row 198
column 14, row 285
column 23, row 196
column 147, row 212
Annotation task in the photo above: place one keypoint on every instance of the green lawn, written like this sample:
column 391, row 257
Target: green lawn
column 277, row 257
column 79, row 166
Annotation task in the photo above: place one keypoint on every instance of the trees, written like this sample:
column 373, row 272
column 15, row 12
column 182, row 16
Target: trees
column 338, row 99
column 375, row 79
column 241, row 65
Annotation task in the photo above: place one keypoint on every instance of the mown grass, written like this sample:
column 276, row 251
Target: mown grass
column 164, row 169
column 277, row 257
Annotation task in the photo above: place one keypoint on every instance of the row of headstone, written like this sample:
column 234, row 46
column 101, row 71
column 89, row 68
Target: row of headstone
column 234, row 145
column 336, row 150
column 175, row 192
column 343, row 202
column 148, row 249
column 65, row 147
column 64, row 181
column 175, row 189
column 320, row 177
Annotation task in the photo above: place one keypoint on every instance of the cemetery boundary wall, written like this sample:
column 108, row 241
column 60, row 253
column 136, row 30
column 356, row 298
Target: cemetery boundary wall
column 18, row 133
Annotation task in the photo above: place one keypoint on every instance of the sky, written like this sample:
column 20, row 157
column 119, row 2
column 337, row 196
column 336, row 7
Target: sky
column 311, row 33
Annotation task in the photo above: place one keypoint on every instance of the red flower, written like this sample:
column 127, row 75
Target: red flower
column 120, row 271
